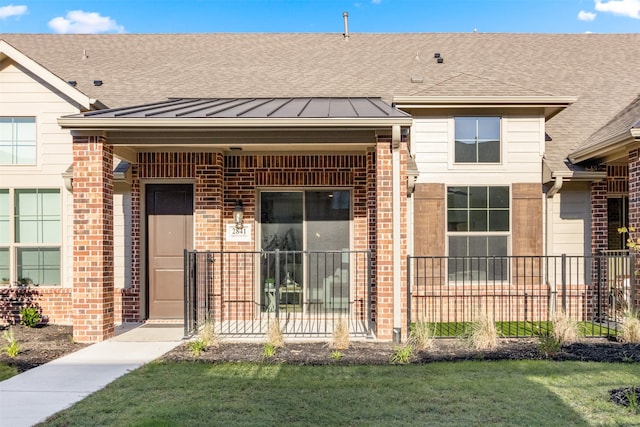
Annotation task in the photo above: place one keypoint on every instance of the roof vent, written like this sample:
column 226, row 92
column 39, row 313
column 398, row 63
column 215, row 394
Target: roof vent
column 440, row 60
column 436, row 55
column 417, row 79
column 72, row 83
column 97, row 82
column 345, row 16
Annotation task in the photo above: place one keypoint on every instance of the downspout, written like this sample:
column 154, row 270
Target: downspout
column 397, row 261
column 557, row 185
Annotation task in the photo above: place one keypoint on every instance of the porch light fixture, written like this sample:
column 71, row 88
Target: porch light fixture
column 238, row 215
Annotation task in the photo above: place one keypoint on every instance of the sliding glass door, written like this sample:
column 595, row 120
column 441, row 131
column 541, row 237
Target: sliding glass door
column 315, row 221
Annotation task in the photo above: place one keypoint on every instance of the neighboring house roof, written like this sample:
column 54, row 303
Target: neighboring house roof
column 233, row 112
column 612, row 137
column 8, row 51
column 600, row 70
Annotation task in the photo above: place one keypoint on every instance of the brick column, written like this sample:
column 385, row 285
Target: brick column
column 599, row 239
column 383, row 246
column 93, row 299
column 634, row 207
column 209, row 202
column 599, row 228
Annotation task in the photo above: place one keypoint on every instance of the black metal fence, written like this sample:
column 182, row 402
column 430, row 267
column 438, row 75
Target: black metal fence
column 306, row 292
column 522, row 293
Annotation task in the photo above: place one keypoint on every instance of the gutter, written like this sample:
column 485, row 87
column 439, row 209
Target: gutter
column 604, row 147
column 419, row 101
column 111, row 123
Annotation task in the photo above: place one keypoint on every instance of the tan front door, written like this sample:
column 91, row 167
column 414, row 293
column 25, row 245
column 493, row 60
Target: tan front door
column 169, row 211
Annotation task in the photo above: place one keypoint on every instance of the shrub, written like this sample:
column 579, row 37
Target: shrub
column 336, row 355
column 630, row 328
column 565, row 329
column 421, row 336
column 482, row 334
column 548, row 344
column 13, row 347
column 30, row 316
column 274, row 335
column 208, row 334
column 340, row 337
column 401, row 355
column 198, row 346
column 269, row 350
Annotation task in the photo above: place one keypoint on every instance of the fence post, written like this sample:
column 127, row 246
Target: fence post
column 186, row 275
column 632, row 284
column 408, row 294
column 564, row 282
column 370, row 290
column 598, row 285
column 277, row 279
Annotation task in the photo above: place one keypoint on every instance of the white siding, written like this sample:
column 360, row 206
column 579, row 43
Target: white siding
column 569, row 214
column 522, row 142
column 25, row 95
column 122, row 239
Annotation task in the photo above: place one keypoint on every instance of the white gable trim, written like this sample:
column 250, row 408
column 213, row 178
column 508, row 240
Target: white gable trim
column 8, row 51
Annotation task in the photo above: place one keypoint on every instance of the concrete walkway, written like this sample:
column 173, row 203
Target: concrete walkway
column 38, row 393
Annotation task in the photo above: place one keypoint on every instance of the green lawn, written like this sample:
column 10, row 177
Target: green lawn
column 477, row 393
column 519, row 329
column 7, row 371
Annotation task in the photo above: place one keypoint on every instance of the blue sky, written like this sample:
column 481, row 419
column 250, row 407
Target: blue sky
column 370, row 16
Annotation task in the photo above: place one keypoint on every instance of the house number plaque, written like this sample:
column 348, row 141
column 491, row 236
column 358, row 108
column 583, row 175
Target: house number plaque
column 238, row 235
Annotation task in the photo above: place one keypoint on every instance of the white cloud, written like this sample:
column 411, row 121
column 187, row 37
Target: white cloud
column 11, row 10
column 81, row 22
column 630, row 8
column 376, row 1
column 586, row 16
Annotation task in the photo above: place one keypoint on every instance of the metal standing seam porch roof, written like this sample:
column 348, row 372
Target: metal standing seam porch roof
column 240, row 112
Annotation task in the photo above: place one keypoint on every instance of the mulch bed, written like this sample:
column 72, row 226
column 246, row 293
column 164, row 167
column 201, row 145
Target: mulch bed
column 38, row 345
column 43, row 344
column 377, row 353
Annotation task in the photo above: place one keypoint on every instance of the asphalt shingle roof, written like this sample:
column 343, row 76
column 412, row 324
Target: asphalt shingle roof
column 601, row 70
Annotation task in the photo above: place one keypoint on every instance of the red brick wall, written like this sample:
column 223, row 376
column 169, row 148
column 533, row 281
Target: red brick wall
column 93, row 299
column 54, row 304
column 245, row 174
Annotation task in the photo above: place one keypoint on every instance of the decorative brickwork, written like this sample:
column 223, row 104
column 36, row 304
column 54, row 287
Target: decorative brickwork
column 618, row 180
column 93, row 298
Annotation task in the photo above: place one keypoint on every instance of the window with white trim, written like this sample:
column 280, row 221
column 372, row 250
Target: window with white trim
column 477, row 140
column 17, row 141
column 478, row 230
column 30, row 238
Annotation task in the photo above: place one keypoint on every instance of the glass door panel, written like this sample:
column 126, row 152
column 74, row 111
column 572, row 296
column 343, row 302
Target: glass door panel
column 281, row 227
column 328, row 215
